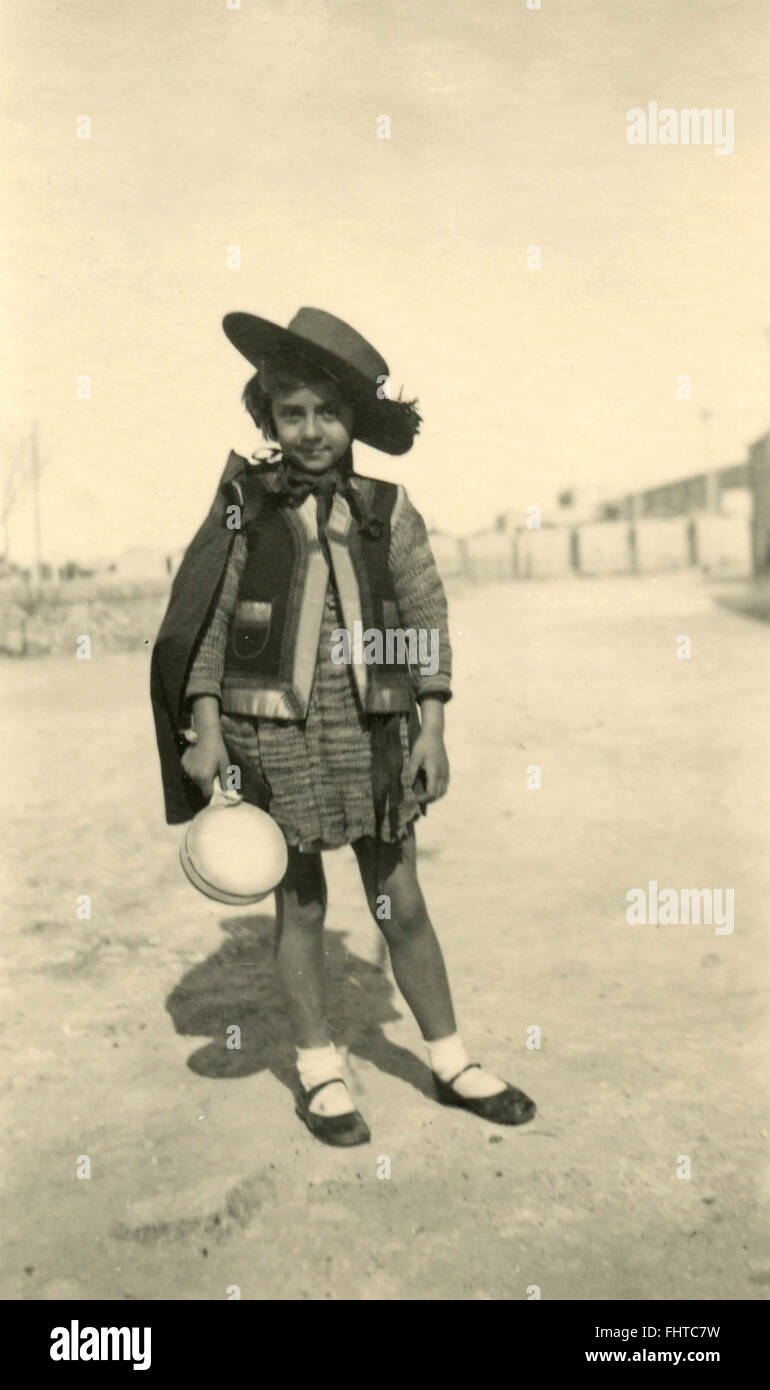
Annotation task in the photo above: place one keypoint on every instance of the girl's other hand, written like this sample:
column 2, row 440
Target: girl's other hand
column 429, row 757
column 206, row 759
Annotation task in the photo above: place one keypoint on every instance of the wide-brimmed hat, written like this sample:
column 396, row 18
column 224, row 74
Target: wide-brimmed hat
column 315, row 339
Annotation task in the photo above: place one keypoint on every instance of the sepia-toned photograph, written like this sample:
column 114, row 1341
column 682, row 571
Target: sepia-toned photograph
column 384, row 604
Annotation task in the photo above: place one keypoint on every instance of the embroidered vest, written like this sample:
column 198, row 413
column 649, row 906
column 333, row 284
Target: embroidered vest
column 272, row 644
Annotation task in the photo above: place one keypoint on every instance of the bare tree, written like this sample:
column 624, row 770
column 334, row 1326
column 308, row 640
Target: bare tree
column 22, row 473
column 13, row 483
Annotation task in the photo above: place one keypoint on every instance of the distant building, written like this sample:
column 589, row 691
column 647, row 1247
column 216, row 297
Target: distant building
column 543, row 554
column 447, row 552
column 141, row 562
column 586, row 504
column 490, row 555
column 737, row 497
column 718, row 520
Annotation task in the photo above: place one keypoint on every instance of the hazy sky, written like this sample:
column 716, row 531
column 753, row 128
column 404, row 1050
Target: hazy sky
column 256, row 127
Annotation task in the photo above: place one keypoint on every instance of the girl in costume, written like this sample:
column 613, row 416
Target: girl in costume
column 298, row 554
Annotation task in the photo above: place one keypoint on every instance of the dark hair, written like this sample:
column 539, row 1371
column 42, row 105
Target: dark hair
column 277, row 375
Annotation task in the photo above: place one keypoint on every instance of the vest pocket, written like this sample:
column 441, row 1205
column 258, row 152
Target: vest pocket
column 251, row 628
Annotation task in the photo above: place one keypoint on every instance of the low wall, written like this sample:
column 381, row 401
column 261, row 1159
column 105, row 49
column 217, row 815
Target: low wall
column 661, row 545
column 604, row 548
column 53, row 620
column 723, row 545
column 543, row 554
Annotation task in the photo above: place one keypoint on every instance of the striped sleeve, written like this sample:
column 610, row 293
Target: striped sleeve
column 420, row 594
column 208, row 667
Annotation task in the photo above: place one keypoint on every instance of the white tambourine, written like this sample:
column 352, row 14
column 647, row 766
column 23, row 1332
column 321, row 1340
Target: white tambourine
column 232, row 851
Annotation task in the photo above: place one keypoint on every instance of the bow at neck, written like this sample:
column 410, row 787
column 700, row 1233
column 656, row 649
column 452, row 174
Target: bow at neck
column 291, row 484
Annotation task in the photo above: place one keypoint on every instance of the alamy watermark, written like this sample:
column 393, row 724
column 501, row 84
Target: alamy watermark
column 76, row 1343
column 390, row 646
column 667, row 907
column 689, row 126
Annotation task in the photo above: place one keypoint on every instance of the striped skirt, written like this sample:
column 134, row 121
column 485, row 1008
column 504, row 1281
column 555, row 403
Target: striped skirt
column 319, row 772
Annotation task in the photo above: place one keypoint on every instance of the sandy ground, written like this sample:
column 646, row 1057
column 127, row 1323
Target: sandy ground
column 203, row 1179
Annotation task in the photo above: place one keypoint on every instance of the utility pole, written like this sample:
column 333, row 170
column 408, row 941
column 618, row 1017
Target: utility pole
column 712, row 482
column 34, row 456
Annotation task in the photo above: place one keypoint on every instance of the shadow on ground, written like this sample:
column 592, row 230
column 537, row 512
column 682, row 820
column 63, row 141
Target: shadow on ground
column 236, row 986
column 749, row 597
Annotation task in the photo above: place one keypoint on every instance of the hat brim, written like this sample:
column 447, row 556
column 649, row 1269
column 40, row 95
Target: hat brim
column 381, row 423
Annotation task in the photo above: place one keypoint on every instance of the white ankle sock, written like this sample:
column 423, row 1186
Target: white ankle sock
column 317, row 1064
column 447, row 1057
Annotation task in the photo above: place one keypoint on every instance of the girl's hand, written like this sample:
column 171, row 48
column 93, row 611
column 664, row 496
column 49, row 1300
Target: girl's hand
column 429, row 757
column 206, row 759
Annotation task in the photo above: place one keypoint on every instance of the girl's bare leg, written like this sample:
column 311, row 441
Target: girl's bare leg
column 415, row 954
column 300, row 912
column 299, row 957
column 417, row 960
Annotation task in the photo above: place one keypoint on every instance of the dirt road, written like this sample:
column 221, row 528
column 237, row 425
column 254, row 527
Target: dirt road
column 203, row 1180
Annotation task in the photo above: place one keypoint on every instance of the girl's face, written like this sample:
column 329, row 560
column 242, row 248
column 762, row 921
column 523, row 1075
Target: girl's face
column 313, row 424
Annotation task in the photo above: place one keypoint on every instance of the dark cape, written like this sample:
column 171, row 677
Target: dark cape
column 193, row 598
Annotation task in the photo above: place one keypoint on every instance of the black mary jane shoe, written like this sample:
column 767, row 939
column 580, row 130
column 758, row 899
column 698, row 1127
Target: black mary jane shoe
column 508, row 1107
column 340, row 1130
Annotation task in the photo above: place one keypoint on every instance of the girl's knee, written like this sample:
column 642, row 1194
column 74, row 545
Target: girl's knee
column 402, row 912
column 301, row 897
column 393, row 891
column 311, row 916
column 305, row 915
